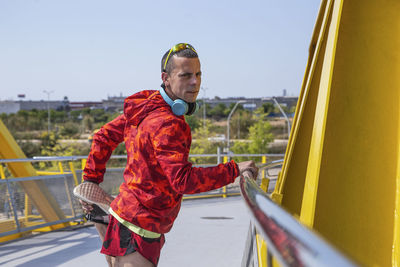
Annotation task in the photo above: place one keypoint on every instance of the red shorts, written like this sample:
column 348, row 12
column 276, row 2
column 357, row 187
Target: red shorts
column 120, row 241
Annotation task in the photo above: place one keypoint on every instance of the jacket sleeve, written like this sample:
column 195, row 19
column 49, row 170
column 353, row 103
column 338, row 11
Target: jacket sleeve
column 171, row 144
column 103, row 144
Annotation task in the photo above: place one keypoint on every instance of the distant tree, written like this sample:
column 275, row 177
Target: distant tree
column 24, row 114
column 34, row 123
column 49, row 140
column 200, row 113
column 292, row 109
column 75, row 115
column 219, row 111
column 193, row 122
column 30, row 149
column 69, row 130
column 240, row 123
column 88, row 123
column 57, row 116
column 259, row 136
column 268, row 108
column 239, row 107
column 201, row 144
column 99, row 115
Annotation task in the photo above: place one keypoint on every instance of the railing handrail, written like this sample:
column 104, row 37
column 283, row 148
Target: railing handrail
column 270, row 165
column 289, row 241
column 72, row 158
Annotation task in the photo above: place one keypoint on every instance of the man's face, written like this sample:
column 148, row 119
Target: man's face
column 184, row 80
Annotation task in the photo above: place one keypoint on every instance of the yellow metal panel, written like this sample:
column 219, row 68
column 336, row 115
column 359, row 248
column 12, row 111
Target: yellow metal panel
column 396, row 232
column 359, row 162
column 291, row 180
column 318, row 133
column 36, row 190
column 10, row 237
column 348, row 153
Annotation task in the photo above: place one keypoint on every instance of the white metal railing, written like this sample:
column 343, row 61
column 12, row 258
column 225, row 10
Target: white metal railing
column 13, row 198
column 291, row 243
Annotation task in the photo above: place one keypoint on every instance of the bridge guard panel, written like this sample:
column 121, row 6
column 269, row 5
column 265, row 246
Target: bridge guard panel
column 36, row 190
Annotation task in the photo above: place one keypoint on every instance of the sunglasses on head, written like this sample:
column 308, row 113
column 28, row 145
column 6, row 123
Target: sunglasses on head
column 176, row 48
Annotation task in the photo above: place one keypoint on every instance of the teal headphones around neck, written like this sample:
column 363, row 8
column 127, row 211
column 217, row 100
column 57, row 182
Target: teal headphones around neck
column 178, row 106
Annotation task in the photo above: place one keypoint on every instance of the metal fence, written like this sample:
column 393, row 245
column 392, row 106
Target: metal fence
column 20, row 214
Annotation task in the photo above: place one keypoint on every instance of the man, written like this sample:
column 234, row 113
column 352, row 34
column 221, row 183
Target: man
column 158, row 172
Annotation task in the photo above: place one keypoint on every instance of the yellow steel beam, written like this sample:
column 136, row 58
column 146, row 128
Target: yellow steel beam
column 292, row 177
column 320, row 118
column 341, row 172
column 36, row 190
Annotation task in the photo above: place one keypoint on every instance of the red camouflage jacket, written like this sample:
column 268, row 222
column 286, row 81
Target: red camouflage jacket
column 157, row 172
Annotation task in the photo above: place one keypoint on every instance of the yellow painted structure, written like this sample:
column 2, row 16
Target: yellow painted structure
column 341, row 173
column 36, row 190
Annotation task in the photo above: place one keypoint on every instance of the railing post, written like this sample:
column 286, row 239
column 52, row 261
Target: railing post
column 263, row 161
column 218, row 155
column 71, row 167
column 11, row 200
column 224, row 188
column 28, row 208
column 264, row 181
column 13, row 206
column 8, row 195
column 66, row 188
column 83, row 167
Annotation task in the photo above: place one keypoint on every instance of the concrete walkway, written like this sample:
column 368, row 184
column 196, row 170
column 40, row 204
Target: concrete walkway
column 208, row 232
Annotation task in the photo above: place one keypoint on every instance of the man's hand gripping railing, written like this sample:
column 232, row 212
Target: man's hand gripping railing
column 248, row 168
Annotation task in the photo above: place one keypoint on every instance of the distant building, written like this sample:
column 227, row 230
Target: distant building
column 116, row 103
column 15, row 106
column 83, row 105
column 9, row 107
column 40, row 105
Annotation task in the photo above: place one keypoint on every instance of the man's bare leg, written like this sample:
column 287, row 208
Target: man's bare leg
column 102, row 229
column 134, row 259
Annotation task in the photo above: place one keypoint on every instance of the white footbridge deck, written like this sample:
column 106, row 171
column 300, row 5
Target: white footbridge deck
column 207, row 232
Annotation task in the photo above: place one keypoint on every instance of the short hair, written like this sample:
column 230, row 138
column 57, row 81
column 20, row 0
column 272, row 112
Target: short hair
column 187, row 53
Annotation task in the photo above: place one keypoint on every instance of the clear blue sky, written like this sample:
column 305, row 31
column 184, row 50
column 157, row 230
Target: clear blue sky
column 90, row 49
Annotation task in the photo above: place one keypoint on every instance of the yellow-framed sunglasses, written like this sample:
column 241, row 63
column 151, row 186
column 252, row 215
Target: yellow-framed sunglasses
column 177, row 48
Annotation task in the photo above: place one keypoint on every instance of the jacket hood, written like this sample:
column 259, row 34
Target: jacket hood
column 139, row 105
